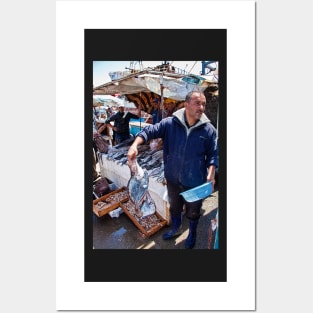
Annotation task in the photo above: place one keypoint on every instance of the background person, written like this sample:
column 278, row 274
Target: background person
column 171, row 108
column 121, row 123
column 102, row 128
column 156, row 112
column 190, row 158
column 96, row 175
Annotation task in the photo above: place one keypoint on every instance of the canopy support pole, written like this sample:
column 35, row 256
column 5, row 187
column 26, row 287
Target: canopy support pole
column 162, row 97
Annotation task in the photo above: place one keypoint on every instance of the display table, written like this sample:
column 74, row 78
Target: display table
column 120, row 175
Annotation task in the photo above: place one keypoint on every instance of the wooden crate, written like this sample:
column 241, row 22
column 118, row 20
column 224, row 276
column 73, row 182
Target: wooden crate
column 147, row 231
column 108, row 202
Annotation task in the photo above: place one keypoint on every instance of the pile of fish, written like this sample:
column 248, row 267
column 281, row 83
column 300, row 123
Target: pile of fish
column 147, row 158
column 138, row 190
column 147, row 222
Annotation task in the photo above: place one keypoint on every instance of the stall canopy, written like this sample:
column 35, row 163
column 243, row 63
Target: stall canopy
column 106, row 101
column 142, row 87
column 97, row 102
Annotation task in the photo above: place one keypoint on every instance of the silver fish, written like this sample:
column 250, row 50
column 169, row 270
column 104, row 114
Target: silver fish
column 137, row 184
column 148, row 206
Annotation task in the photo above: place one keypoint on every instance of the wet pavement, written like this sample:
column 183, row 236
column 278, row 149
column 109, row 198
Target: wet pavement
column 121, row 233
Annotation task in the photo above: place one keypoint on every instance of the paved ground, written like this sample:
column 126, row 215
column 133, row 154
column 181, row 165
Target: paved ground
column 121, row 233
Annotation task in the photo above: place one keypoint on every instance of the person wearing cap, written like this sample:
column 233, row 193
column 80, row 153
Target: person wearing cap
column 121, row 123
column 156, row 112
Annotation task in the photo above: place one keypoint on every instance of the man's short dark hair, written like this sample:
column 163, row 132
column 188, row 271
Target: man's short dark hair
column 189, row 94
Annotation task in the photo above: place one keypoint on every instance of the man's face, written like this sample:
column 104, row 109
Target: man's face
column 195, row 108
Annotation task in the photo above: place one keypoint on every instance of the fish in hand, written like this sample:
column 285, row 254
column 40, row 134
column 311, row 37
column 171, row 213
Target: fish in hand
column 138, row 189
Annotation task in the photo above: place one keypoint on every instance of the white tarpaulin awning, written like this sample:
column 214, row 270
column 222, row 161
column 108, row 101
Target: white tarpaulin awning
column 106, row 100
column 174, row 88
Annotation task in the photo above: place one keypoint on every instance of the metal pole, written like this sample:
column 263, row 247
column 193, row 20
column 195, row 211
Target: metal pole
column 162, row 98
column 140, row 112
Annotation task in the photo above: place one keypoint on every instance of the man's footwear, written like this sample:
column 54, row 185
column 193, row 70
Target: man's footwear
column 172, row 233
column 175, row 230
column 191, row 239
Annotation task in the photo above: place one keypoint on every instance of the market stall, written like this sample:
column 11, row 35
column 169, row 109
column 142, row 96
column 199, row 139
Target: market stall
column 142, row 88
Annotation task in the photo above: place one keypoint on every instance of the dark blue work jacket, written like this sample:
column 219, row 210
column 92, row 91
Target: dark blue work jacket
column 187, row 151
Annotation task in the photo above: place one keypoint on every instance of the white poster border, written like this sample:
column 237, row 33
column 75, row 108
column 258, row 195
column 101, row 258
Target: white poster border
column 239, row 292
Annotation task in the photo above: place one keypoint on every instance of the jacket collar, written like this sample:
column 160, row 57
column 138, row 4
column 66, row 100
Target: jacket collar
column 179, row 114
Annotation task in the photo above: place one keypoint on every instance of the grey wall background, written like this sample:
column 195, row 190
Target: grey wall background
column 284, row 154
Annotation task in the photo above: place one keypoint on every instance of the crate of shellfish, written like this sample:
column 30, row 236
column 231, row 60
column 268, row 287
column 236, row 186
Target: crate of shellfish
column 110, row 201
column 149, row 224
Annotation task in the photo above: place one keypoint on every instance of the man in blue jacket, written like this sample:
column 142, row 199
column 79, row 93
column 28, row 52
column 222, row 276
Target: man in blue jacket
column 190, row 159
